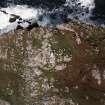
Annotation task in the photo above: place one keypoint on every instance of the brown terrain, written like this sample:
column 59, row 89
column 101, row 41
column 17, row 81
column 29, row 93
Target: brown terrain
column 60, row 66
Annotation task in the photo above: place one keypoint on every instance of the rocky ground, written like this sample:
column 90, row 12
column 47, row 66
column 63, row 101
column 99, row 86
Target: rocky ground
column 53, row 66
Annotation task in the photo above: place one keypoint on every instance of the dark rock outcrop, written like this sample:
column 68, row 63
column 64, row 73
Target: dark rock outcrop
column 13, row 18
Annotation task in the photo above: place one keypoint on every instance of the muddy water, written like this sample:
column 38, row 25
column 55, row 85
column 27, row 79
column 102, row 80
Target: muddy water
column 63, row 66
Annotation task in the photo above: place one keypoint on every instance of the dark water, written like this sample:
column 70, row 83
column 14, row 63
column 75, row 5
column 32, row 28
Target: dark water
column 100, row 7
column 35, row 3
